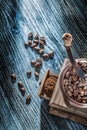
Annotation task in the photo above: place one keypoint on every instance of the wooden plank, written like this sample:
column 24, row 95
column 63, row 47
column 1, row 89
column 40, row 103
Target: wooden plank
column 63, row 114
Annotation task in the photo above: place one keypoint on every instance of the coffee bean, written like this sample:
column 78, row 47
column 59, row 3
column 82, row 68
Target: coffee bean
column 77, row 82
column 30, row 36
column 33, row 45
column 28, row 99
column 82, row 93
column 67, row 74
column 29, row 43
column 37, row 49
column 13, row 77
column 41, row 44
column 20, row 85
column 26, row 44
column 76, row 91
column 69, row 93
column 33, row 62
column 75, row 78
column 84, row 101
column 28, row 73
column 36, row 75
column 41, row 51
column 84, row 98
column 51, row 54
column 85, row 87
column 37, row 65
column 22, row 90
column 45, row 56
column 39, row 60
column 36, row 36
column 86, row 92
column 42, row 39
column 36, row 41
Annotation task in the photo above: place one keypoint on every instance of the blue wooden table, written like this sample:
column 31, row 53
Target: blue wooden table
column 49, row 18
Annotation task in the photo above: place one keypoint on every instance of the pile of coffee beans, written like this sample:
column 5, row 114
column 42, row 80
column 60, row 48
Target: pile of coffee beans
column 49, row 85
column 38, row 44
column 74, row 86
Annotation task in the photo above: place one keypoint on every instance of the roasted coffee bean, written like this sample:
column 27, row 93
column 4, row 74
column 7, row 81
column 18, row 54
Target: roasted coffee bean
column 82, row 93
column 29, row 43
column 45, row 56
column 41, row 44
column 85, row 87
column 30, row 36
column 33, row 45
column 86, row 92
column 28, row 73
column 20, row 85
column 51, row 54
column 69, row 93
column 36, row 41
column 84, row 101
column 37, row 65
column 75, row 78
column 67, row 75
column 26, row 44
column 36, row 75
column 77, row 82
column 22, row 90
column 42, row 39
column 28, row 99
column 37, row 49
column 76, row 92
column 33, row 62
column 36, row 36
column 41, row 51
column 13, row 77
column 39, row 60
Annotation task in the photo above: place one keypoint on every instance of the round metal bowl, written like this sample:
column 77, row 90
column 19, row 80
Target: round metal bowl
column 70, row 101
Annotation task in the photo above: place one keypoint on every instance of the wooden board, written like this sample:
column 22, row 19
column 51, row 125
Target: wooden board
column 59, row 107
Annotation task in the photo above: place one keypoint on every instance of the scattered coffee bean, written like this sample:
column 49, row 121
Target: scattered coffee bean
column 36, row 75
column 41, row 44
column 30, row 36
column 38, row 64
column 28, row 99
column 33, row 45
column 29, row 43
column 42, row 39
column 45, row 56
column 13, row 77
column 26, row 44
column 39, row 60
column 22, row 90
column 28, row 73
column 36, row 36
column 41, row 51
column 36, row 41
column 20, row 85
column 33, row 62
column 37, row 49
column 51, row 54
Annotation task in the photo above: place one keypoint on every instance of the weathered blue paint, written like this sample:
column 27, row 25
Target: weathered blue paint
column 49, row 18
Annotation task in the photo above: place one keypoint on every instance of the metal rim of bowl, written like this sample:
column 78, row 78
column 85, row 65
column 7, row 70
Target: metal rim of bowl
column 70, row 100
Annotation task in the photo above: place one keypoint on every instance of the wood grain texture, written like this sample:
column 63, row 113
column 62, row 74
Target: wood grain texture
column 49, row 18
